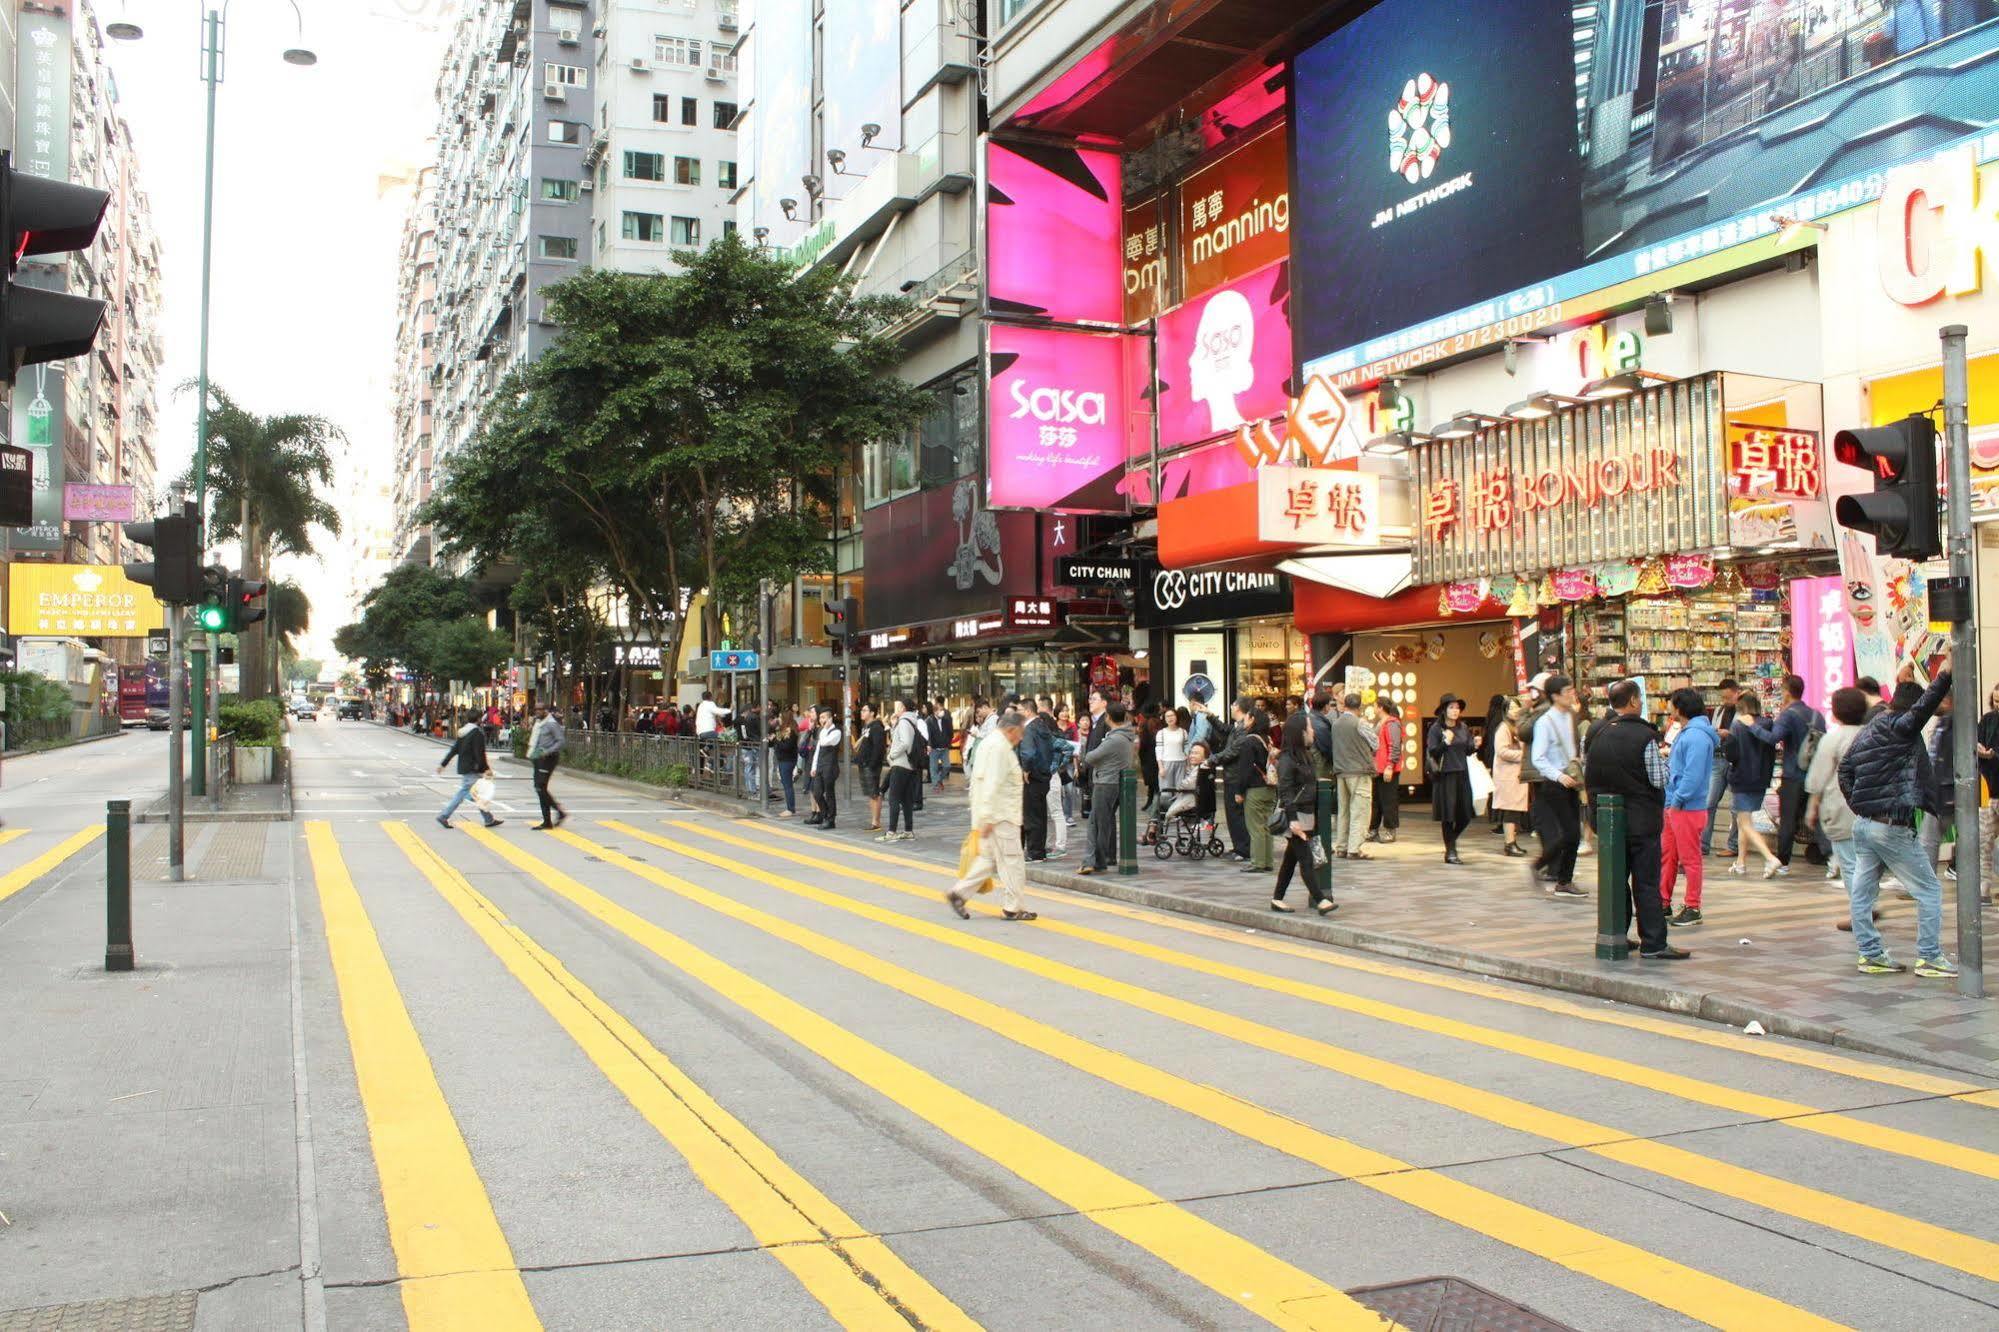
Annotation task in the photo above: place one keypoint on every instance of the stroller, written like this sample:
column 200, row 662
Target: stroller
column 1188, row 823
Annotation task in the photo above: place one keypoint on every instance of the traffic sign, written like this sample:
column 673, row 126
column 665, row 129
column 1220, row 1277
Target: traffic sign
column 740, row 659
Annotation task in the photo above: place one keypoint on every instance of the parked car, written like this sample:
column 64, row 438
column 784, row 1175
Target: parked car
column 156, row 719
column 353, row 709
column 305, row 709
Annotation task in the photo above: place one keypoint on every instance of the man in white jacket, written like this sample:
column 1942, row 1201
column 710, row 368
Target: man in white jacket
column 996, row 790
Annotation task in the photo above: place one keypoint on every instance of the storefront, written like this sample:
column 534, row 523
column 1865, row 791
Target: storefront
column 1218, row 634
column 1036, row 645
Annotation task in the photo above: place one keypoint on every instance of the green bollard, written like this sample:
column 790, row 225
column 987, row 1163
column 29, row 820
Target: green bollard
column 1127, row 822
column 118, row 885
column 1323, row 816
column 1613, row 896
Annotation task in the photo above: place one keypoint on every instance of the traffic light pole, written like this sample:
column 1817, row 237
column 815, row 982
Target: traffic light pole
column 176, row 703
column 1964, row 664
column 211, row 73
column 197, row 661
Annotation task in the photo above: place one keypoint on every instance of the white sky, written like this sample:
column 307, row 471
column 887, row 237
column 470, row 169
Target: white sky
column 303, row 311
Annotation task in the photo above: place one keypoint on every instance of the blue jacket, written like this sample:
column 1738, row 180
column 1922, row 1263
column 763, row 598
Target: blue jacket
column 1755, row 755
column 1690, row 767
column 1793, row 724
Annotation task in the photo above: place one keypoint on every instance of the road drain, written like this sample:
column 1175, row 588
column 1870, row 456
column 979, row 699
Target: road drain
column 1451, row 1304
column 172, row 1312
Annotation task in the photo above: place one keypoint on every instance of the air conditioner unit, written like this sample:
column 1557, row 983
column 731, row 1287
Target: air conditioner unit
column 555, row 92
column 587, row 186
column 715, row 73
column 639, row 65
column 726, row 22
column 568, row 36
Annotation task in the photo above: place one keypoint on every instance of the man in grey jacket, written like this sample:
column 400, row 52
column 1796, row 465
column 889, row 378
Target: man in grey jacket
column 1109, row 758
column 544, row 752
column 1354, row 747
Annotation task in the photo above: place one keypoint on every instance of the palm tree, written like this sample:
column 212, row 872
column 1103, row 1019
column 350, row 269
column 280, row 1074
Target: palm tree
column 287, row 615
column 264, row 473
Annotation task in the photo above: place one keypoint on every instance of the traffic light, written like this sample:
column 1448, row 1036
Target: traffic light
column 43, row 216
column 245, row 600
column 843, row 619
column 212, row 615
column 1901, row 511
column 174, row 572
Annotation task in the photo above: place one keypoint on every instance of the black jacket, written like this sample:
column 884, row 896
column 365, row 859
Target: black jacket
column 1988, row 735
column 470, row 750
column 1879, row 775
column 1244, row 761
column 1297, row 788
column 1615, row 765
column 1449, row 747
column 871, row 748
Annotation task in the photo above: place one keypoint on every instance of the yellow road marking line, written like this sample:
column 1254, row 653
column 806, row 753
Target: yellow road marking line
column 1936, row 1244
column 15, row 880
column 852, row 1273
column 1832, row 1124
column 9, row 834
column 1224, row 1262
column 1697, row 1294
column 1825, row 1061
column 457, row 1269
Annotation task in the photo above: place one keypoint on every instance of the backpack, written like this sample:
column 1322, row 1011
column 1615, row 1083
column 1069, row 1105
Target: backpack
column 919, row 744
column 1524, row 730
column 1731, row 750
column 1809, row 747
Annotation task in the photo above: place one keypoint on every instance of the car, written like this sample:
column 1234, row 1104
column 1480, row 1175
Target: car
column 353, row 709
column 156, row 719
column 305, row 709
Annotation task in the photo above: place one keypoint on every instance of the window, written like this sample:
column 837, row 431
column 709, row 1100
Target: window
column 686, row 231
column 676, row 51
column 725, row 175
column 644, row 166
column 558, row 191
column 565, row 131
column 645, row 227
column 690, row 111
column 600, row 238
column 555, row 247
column 565, row 18
column 574, row 75
column 662, row 107
column 722, row 60
column 728, row 226
column 1009, row 10
column 725, row 114
column 687, row 171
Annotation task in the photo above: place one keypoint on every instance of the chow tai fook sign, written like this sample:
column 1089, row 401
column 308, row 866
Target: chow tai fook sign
column 1032, row 612
column 1639, row 475
column 80, row 600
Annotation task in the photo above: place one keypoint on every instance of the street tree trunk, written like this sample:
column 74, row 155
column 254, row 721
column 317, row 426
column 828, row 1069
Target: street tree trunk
column 253, row 667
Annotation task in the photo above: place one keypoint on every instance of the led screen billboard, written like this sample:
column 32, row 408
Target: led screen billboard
column 1225, row 358
column 1057, row 418
column 1495, row 165
column 1053, row 221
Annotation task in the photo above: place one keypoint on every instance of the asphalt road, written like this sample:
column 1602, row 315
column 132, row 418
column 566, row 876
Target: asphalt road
column 662, row 1069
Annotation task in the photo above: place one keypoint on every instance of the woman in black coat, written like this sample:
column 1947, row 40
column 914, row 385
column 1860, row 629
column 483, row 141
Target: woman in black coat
column 1297, row 795
column 1450, row 748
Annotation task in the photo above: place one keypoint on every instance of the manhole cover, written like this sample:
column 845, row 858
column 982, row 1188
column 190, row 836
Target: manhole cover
column 1449, row 1304
column 172, row 1312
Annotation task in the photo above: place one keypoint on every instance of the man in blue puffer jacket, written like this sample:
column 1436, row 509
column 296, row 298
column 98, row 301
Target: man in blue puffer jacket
column 1879, row 778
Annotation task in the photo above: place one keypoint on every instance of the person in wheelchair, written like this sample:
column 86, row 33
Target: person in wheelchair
column 1191, row 814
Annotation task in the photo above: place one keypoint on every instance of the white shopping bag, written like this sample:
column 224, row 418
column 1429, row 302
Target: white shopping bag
column 482, row 792
column 1481, row 780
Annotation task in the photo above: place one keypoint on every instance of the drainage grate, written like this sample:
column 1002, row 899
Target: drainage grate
column 234, row 851
column 172, row 1312
column 1448, row 1304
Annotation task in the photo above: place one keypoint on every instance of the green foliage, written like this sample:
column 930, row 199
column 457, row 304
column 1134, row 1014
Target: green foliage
column 303, row 670
column 462, row 649
column 33, row 697
column 257, row 723
column 427, row 623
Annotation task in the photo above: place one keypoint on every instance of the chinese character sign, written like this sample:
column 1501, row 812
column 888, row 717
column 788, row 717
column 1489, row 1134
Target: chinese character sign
column 1318, row 506
column 79, row 600
column 1056, row 419
column 1822, row 637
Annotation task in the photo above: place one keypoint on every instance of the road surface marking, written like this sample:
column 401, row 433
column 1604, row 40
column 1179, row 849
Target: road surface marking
column 1936, row 1244
column 1697, row 1294
column 1224, row 1262
column 458, row 1270
column 1830, row 1123
column 15, row 880
column 9, row 834
column 849, row 1271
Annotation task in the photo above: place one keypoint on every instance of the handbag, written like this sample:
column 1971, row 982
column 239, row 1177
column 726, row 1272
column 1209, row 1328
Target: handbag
column 968, row 853
column 1280, row 822
column 482, row 792
column 1480, row 778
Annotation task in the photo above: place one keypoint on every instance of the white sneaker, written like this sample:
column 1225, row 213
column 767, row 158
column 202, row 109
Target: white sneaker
column 1831, row 872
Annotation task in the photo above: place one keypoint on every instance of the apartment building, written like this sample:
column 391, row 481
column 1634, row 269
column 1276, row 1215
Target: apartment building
column 413, row 380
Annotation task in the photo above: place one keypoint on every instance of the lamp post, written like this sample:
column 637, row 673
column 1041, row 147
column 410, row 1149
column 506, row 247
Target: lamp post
column 201, row 683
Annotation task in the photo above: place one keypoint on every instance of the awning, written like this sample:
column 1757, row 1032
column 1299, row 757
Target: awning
column 1372, row 574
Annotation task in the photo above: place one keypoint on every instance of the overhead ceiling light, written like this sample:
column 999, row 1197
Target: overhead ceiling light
column 790, row 207
column 1617, row 386
column 1394, row 442
column 869, row 133
column 298, row 55
column 761, row 233
column 1466, row 424
column 837, row 158
column 1659, row 314
column 814, row 186
column 123, row 30
column 1539, row 406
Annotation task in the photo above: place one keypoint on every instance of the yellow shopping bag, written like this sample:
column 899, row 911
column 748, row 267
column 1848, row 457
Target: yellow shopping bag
column 968, row 852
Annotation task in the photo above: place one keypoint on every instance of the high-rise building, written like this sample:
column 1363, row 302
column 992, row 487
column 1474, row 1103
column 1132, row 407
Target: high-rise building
column 412, row 383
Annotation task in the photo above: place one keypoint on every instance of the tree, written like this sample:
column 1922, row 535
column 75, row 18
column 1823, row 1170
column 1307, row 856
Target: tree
column 465, row 649
column 678, row 432
column 287, row 615
column 264, row 473
column 426, row 622
column 303, row 670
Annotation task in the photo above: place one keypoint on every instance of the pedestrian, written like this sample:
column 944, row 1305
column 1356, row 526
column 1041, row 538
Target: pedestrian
column 1450, row 749
column 870, row 756
column 938, row 728
column 997, row 795
column 1724, row 722
column 980, row 726
column 1793, row 727
column 1751, row 746
column 1356, row 753
column 1690, row 769
column 1496, row 712
column 1988, row 768
column 1036, row 753
column 1386, row 817
column 544, row 752
column 1942, row 809
column 1147, row 739
column 1880, row 779
column 826, row 767
column 1169, row 748
column 1227, row 752
column 1095, row 725
column 784, row 754
column 1106, row 763
column 1065, row 726
column 1295, row 802
column 1825, row 804
column 1876, row 702
column 1624, row 760
column 470, row 751
column 1554, row 756
column 1509, row 793
column 907, row 763
column 708, row 728
column 1247, row 762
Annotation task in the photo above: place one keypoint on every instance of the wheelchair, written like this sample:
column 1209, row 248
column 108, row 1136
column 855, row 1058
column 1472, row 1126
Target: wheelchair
column 1190, row 832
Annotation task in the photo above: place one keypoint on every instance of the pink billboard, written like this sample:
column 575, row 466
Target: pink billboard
column 1054, row 219
column 1821, row 637
column 98, row 503
column 1225, row 358
column 1057, row 419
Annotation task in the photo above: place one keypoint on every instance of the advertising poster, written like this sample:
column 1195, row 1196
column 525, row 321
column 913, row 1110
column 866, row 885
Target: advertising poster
column 777, row 136
column 38, row 427
column 1235, row 214
column 1821, row 638
column 1057, row 420
column 83, row 503
column 79, row 600
column 1054, row 220
column 1225, row 359
column 941, row 554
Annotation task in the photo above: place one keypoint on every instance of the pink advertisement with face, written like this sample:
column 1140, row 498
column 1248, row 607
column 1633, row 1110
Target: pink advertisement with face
column 1225, row 358
column 1822, row 637
column 1054, row 218
column 1057, row 417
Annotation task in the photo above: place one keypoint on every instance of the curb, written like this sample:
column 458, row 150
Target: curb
column 118, row 734
column 1728, row 1010
column 685, row 796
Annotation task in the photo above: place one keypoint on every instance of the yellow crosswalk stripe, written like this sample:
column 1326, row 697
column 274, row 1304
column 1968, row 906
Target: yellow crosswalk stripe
column 1822, row 1060
column 15, row 880
column 1224, row 1262
column 456, row 1267
column 9, row 834
column 1949, row 1248
column 1697, row 1294
column 858, row 1279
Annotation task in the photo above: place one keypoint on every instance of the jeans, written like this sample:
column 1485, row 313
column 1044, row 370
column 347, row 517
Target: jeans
column 1558, row 818
column 465, row 780
column 784, row 776
column 940, row 765
column 1058, row 823
column 1932, row 838
column 1681, row 851
column 1258, row 803
column 1717, row 795
column 1103, row 825
column 544, row 768
column 902, row 783
column 752, row 783
column 1356, row 807
column 1898, row 849
column 1034, row 817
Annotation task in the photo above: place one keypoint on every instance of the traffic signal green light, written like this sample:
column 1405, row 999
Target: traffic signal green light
column 211, row 614
column 212, row 618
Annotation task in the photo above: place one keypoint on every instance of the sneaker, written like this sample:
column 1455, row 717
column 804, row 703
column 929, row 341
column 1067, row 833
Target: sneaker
column 1586, row 849
column 1950, row 873
column 443, row 822
column 1880, row 965
column 1567, row 892
column 1831, row 873
column 1687, row 916
column 1667, row 954
column 1937, row 968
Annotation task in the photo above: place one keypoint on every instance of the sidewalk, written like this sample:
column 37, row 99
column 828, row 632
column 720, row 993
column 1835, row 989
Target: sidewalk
column 1768, row 950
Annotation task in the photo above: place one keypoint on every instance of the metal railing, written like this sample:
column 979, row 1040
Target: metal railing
column 721, row 767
